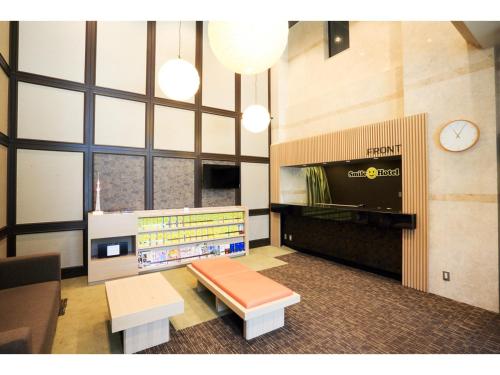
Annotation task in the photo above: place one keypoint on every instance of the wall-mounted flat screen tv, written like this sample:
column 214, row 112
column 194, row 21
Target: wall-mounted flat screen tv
column 217, row 176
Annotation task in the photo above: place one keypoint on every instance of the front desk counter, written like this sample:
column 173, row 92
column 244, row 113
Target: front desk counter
column 360, row 237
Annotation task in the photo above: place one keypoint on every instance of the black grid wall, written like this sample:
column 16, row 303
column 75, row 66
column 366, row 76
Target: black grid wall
column 93, row 153
column 4, row 142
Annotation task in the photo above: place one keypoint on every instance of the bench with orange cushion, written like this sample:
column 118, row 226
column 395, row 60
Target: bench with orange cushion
column 257, row 299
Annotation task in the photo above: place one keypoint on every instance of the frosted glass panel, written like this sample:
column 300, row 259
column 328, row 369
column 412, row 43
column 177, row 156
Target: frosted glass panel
column 119, row 122
column 121, row 55
column 3, row 186
column 54, row 49
column 174, row 129
column 218, row 134
column 249, row 84
column 218, row 81
column 167, row 46
column 4, row 39
column 69, row 244
column 50, row 114
column 254, row 144
column 49, row 186
column 4, row 102
column 255, row 185
column 259, row 227
column 254, row 90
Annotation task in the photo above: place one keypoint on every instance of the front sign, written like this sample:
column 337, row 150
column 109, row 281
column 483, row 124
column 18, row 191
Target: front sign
column 383, row 150
column 372, row 173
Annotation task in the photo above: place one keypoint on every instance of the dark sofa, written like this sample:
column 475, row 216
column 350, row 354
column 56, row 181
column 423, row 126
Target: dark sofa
column 30, row 294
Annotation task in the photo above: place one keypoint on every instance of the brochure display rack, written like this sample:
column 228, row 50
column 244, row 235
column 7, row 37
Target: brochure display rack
column 164, row 239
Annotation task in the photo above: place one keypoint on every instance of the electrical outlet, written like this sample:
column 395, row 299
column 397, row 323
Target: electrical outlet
column 285, row 236
column 446, row 276
column 290, row 237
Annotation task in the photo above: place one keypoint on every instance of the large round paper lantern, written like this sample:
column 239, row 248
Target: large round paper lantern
column 178, row 79
column 255, row 118
column 248, row 47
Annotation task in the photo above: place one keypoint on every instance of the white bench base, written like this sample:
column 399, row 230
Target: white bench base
column 257, row 320
column 264, row 324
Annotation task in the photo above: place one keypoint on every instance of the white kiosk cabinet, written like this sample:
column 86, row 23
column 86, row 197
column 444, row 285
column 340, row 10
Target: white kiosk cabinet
column 129, row 243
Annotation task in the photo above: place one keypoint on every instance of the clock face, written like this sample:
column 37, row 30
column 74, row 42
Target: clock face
column 459, row 135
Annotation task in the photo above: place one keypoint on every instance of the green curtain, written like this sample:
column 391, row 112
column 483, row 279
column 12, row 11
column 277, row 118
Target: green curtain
column 317, row 186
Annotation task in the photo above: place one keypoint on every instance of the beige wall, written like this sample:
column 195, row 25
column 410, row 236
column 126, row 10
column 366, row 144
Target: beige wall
column 49, row 186
column 394, row 69
column 54, row 49
column 218, row 82
column 119, row 122
column 217, row 134
column 118, row 67
column 4, row 39
column 69, row 244
column 259, row 227
column 49, row 113
column 449, row 80
column 176, row 121
column 322, row 96
column 254, row 182
column 4, row 102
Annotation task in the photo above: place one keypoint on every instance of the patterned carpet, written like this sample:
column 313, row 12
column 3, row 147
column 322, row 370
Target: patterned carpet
column 344, row 310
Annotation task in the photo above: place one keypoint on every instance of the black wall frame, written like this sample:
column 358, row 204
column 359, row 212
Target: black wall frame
column 88, row 148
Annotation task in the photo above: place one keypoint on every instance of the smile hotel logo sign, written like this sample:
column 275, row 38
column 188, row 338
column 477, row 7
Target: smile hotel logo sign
column 372, row 173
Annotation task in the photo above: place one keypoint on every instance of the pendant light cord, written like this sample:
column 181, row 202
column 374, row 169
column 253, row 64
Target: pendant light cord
column 255, row 89
column 179, row 51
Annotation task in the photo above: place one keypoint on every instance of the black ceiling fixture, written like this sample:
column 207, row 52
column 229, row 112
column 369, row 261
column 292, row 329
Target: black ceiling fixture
column 338, row 37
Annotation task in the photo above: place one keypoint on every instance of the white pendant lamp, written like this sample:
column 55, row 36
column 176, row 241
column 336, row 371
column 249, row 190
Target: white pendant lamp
column 255, row 117
column 178, row 78
column 248, row 47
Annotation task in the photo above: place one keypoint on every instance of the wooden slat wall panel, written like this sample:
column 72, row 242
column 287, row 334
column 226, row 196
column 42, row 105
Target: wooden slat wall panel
column 410, row 132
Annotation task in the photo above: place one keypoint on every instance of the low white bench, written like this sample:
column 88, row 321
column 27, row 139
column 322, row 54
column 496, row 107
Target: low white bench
column 258, row 320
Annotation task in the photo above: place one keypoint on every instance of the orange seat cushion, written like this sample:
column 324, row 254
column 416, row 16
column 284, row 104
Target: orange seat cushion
column 251, row 289
column 217, row 267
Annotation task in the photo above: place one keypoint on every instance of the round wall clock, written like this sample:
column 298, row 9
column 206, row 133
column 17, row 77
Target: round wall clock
column 458, row 135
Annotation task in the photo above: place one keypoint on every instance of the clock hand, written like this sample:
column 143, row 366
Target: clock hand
column 460, row 131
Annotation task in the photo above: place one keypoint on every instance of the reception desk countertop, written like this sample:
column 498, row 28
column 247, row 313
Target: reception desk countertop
column 352, row 214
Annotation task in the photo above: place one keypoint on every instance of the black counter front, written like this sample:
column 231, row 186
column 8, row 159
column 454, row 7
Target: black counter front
column 364, row 238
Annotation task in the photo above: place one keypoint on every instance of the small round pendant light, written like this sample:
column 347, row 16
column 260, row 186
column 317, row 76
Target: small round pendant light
column 178, row 78
column 255, row 117
column 248, row 47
